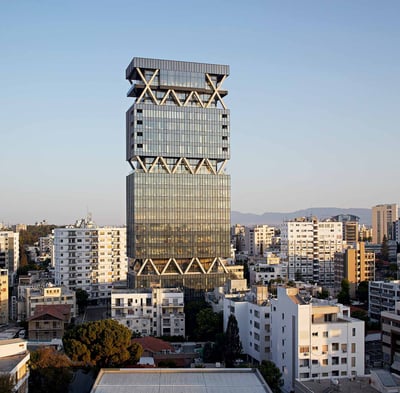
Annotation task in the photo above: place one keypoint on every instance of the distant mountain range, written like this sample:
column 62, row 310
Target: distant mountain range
column 275, row 219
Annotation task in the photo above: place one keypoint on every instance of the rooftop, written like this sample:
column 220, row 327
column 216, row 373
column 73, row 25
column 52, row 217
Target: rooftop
column 180, row 380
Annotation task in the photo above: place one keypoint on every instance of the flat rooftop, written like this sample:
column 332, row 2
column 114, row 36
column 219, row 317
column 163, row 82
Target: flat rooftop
column 201, row 380
column 344, row 385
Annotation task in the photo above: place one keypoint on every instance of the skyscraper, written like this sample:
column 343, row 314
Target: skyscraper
column 178, row 194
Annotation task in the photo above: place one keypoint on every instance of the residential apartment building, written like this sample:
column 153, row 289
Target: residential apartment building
column 262, row 273
column 238, row 238
column 178, row 194
column 308, row 247
column 14, row 358
column 314, row 340
column 150, row 311
column 253, row 315
column 391, row 338
column 350, row 226
column 383, row 296
column 9, row 252
column 354, row 264
column 46, row 248
column 258, row 239
column 3, row 296
column 383, row 217
column 91, row 258
column 33, row 295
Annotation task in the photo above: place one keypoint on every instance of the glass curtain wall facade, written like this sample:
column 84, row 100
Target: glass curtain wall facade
column 178, row 194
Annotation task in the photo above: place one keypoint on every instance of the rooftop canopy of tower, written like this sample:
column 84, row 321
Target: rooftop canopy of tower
column 173, row 65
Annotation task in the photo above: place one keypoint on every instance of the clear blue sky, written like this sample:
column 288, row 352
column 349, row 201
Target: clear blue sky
column 314, row 94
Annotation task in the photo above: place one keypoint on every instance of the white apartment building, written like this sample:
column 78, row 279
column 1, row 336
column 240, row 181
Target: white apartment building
column 3, row 296
column 90, row 258
column 314, row 340
column 152, row 311
column 9, row 252
column 263, row 273
column 253, row 314
column 258, row 239
column 14, row 358
column 308, row 247
column 383, row 217
column 383, row 296
column 30, row 296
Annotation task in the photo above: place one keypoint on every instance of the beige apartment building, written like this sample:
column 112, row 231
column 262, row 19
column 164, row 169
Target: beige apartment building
column 354, row 264
column 383, row 217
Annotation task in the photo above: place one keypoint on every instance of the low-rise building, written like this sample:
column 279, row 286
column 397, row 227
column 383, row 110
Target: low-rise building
column 262, row 273
column 49, row 322
column 32, row 295
column 153, row 311
column 14, row 358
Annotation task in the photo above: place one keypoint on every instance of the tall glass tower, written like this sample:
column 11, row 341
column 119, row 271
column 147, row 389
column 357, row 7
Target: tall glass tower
column 178, row 194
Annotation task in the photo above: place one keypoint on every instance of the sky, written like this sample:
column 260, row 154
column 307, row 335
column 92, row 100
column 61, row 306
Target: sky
column 314, row 94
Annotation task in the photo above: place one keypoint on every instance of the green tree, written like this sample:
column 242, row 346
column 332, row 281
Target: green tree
column 385, row 249
column 344, row 294
column 272, row 375
column 363, row 291
column 6, row 384
column 192, row 308
column 209, row 324
column 50, row 371
column 81, row 299
column 233, row 345
column 104, row 343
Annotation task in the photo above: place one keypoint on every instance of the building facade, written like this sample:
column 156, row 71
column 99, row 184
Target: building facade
column 253, row 315
column 259, row 239
column 382, row 296
column 90, row 258
column 308, row 247
column 31, row 296
column 178, row 194
column 383, row 217
column 14, row 358
column 314, row 340
column 9, row 252
column 354, row 264
column 155, row 311
column 3, row 296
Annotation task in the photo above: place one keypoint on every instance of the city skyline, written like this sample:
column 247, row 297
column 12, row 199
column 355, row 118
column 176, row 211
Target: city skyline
column 314, row 99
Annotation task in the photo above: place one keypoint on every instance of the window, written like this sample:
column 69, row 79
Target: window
column 224, row 115
column 324, row 362
column 224, row 149
column 343, row 360
column 315, row 361
column 353, row 347
column 139, row 145
column 304, row 348
column 139, row 133
column 315, row 334
column 224, row 138
column 325, row 348
column 335, row 360
column 324, row 334
column 354, row 332
column 353, row 362
column 335, row 346
column 139, row 122
column 224, row 126
column 344, row 347
column 139, row 110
